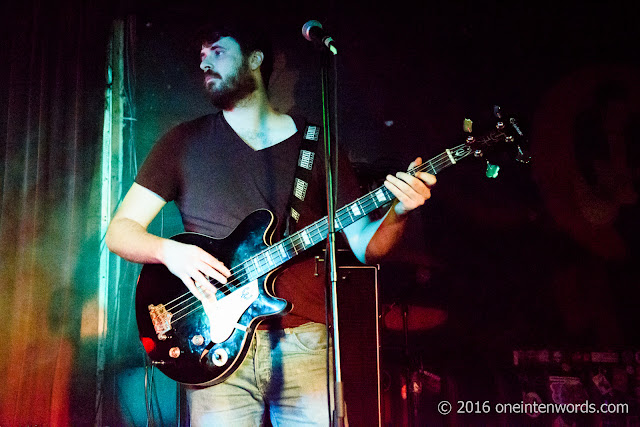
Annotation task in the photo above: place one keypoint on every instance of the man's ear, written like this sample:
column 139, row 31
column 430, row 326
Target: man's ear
column 255, row 60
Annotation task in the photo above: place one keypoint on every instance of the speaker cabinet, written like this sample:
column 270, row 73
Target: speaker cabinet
column 360, row 343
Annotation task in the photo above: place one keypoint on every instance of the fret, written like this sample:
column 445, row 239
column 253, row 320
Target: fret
column 367, row 204
column 346, row 216
column 255, row 262
column 323, row 229
column 299, row 241
column 350, row 215
column 278, row 255
column 282, row 252
column 267, row 254
column 319, row 236
column 363, row 204
column 433, row 169
column 248, row 267
column 249, row 271
column 238, row 271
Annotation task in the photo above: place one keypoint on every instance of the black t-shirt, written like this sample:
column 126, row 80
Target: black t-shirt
column 217, row 180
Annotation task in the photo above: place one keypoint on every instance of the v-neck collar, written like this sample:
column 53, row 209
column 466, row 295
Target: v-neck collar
column 244, row 143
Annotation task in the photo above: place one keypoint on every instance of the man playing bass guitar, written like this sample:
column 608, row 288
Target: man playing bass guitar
column 219, row 169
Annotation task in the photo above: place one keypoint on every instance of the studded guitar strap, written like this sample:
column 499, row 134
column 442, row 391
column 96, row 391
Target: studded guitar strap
column 302, row 176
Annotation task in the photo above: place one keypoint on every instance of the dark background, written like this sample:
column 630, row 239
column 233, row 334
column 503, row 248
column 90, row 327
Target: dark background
column 509, row 260
column 513, row 262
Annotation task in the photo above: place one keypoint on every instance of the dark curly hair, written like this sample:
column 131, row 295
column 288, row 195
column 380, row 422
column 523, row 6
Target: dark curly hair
column 249, row 35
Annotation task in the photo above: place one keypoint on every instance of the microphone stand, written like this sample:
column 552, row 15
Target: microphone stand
column 330, row 161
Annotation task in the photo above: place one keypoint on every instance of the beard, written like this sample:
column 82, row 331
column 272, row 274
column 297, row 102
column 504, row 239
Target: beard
column 233, row 89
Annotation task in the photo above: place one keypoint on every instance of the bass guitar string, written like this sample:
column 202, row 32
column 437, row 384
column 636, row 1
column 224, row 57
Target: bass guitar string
column 438, row 166
column 261, row 263
column 230, row 284
column 441, row 161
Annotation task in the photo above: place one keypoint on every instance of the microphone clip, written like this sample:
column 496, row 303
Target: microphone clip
column 313, row 31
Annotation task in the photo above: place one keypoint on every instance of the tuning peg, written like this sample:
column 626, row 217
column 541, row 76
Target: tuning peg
column 514, row 124
column 521, row 156
column 467, row 125
column 497, row 111
column 492, row 170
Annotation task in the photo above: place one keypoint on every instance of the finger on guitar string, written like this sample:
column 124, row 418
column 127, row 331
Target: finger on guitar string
column 427, row 178
column 221, row 272
column 202, row 283
column 210, row 272
column 193, row 287
column 410, row 191
column 412, row 185
column 205, row 293
column 191, row 263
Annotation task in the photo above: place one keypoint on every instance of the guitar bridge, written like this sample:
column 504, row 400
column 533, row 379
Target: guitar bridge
column 161, row 320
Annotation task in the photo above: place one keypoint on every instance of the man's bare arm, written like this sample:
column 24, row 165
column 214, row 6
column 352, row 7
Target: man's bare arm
column 370, row 240
column 127, row 236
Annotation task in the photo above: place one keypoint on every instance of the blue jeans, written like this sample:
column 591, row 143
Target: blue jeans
column 284, row 369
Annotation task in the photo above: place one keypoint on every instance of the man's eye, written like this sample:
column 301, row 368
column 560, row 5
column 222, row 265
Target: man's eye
column 213, row 53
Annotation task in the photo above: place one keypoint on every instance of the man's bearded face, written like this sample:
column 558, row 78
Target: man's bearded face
column 227, row 76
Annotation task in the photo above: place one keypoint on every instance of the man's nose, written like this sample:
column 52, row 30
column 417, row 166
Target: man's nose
column 205, row 64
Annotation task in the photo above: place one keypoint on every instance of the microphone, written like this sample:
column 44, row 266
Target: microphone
column 313, row 32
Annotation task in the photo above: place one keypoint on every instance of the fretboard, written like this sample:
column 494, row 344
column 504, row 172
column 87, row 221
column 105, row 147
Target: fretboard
column 286, row 249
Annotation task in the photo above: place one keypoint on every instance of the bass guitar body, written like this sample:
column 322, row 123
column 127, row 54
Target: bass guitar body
column 195, row 342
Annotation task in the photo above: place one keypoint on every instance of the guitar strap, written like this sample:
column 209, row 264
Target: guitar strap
column 302, row 177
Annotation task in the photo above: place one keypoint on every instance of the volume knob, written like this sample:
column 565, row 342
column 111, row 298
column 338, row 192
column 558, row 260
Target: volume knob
column 197, row 340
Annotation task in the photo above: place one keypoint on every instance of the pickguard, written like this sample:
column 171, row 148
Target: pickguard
column 225, row 313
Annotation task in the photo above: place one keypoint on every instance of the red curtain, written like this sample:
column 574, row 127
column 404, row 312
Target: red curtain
column 52, row 111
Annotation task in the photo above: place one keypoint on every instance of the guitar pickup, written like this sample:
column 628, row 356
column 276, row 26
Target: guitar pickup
column 161, row 319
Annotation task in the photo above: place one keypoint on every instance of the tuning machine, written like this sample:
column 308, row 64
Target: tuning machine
column 521, row 155
column 467, row 126
column 492, row 170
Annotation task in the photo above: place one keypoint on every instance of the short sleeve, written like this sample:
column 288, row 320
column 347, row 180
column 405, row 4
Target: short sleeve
column 160, row 170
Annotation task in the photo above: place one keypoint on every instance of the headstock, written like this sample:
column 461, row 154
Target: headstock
column 505, row 132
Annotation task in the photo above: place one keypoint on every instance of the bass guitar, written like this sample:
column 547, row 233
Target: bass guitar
column 202, row 343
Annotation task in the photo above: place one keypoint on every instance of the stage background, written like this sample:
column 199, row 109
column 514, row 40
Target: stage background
column 545, row 256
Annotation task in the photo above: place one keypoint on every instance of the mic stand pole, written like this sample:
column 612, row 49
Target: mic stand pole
column 330, row 161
